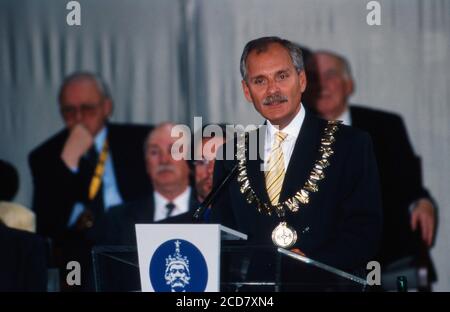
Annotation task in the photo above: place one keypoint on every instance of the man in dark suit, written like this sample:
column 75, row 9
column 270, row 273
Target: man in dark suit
column 318, row 180
column 409, row 214
column 23, row 264
column 86, row 168
column 173, row 199
column 210, row 139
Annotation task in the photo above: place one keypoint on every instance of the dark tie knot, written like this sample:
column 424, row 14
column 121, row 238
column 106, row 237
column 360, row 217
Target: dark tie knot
column 170, row 207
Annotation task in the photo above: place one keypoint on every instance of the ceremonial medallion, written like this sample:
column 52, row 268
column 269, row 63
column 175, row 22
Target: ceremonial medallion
column 284, row 236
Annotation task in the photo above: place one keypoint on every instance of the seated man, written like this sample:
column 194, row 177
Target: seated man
column 204, row 167
column 84, row 169
column 205, row 155
column 409, row 217
column 172, row 194
column 315, row 188
column 171, row 185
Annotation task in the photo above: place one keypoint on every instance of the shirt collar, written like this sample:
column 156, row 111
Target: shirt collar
column 100, row 139
column 292, row 129
column 179, row 201
column 346, row 117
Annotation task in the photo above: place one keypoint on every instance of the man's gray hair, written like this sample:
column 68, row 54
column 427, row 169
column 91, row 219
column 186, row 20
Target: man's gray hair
column 345, row 64
column 89, row 76
column 158, row 127
column 262, row 44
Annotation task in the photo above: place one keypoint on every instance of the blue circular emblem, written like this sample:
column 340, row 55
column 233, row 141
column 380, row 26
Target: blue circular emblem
column 178, row 266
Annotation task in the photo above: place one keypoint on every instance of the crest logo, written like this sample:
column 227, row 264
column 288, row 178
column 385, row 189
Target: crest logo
column 177, row 270
column 178, row 266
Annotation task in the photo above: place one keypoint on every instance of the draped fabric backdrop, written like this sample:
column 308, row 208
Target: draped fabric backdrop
column 175, row 59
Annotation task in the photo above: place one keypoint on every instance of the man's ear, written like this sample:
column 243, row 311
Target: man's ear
column 349, row 87
column 302, row 80
column 108, row 107
column 246, row 91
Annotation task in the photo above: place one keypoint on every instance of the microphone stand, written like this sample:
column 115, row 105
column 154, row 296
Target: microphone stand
column 212, row 196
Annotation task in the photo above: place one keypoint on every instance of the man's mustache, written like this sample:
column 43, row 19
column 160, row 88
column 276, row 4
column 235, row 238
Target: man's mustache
column 162, row 168
column 275, row 98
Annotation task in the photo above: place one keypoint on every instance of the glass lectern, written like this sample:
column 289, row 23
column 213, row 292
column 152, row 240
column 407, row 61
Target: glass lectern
column 244, row 267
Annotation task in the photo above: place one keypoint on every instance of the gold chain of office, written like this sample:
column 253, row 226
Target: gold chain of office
column 301, row 197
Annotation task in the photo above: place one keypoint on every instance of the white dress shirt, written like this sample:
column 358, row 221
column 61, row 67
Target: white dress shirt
column 181, row 203
column 345, row 117
column 292, row 130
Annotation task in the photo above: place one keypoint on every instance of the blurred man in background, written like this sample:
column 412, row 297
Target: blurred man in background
column 84, row 169
column 172, row 194
column 409, row 217
column 204, row 167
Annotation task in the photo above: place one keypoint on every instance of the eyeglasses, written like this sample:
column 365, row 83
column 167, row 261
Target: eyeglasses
column 69, row 111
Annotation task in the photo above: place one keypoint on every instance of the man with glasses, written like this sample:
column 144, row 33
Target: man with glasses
column 204, row 168
column 409, row 212
column 87, row 167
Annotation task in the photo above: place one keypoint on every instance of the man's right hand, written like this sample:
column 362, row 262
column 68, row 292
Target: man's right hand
column 424, row 217
column 77, row 144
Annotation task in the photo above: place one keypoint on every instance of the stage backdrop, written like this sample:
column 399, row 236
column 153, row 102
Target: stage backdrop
column 172, row 60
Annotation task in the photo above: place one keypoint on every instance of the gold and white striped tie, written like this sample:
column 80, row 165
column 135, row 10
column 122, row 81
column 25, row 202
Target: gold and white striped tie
column 275, row 174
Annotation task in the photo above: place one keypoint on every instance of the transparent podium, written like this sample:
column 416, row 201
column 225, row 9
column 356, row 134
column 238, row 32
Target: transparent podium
column 268, row 268
column 244, row 267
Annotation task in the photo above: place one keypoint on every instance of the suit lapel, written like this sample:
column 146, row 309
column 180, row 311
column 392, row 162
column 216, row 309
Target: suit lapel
column 303, row 156
column 359, row 119
column 193, row 202
column 113, row 144
column 354, row 117
column 255, row 174
column 146, row 210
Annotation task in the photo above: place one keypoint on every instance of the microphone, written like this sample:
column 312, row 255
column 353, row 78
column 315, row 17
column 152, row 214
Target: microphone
column 212, row 195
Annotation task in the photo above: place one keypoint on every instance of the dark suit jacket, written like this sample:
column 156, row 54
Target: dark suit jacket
column 341, row 226
column 400, row 178
column 119, row 223
column 23, row 263
column 57, row 189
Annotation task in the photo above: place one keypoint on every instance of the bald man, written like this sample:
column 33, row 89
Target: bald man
column 172, row 194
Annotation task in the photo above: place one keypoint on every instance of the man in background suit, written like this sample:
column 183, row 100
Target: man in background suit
column 335, row 216
column 85, row 168
column 204, row 151
column 172, row 195
column 409, row 219
column 204, row 167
